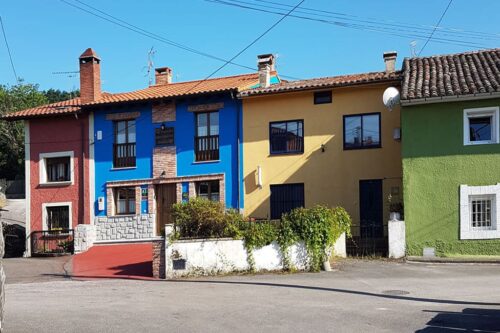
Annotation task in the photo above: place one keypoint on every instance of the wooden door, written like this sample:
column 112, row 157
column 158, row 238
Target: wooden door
column 166, row 196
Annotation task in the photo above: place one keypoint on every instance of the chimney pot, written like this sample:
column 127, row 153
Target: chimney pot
column 163, row 76
column 90, row 76
column 265, row 65
column 390, row 61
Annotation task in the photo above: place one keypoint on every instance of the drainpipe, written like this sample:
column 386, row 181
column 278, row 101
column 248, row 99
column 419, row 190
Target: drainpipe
column 81, row 212
column 238, row 139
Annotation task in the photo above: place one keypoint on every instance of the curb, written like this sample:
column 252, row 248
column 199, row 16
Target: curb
column 440, row 260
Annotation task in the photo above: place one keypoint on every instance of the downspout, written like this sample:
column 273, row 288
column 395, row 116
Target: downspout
column 81, row 212
column 238, row 139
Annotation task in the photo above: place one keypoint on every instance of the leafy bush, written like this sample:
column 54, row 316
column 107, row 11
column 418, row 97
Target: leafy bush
column 318, row 227
column 201, row 218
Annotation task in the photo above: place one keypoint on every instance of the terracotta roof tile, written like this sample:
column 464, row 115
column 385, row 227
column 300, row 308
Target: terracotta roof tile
column 325, row 82
column 227, row 83
column 171, row 90
column 60, row 108
column 460, row 74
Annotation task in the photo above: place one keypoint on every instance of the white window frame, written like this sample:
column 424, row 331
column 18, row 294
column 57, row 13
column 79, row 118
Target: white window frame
column 487, row 192
column 43, row 167
column 492, row 112
column 45, row 217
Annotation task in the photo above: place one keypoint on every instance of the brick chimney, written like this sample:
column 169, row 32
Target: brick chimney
column 265, row 65
column 163, row 75
column 90, row 76
column 390, row 61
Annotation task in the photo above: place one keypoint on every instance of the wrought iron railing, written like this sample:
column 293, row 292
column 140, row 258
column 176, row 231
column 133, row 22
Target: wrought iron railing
column 206, row 148
column 52, row 242
column 368, row 239
column 124, row 155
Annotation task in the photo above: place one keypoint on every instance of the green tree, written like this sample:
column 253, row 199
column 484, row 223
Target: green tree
column 15, row 98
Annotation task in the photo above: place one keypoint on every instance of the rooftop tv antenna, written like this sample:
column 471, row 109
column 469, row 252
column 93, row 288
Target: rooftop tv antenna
column 150, row 66
column 413, row 48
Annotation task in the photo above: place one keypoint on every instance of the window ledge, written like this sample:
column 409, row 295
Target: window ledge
column 123, row 215
column 202, row 162
column 124, row 168
column 362, row 148
column 479, row 143
column 286, row 154
column 56, row 184
column 480, row 234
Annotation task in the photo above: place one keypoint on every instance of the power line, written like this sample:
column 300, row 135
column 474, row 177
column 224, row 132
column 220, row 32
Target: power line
column 437, row 25
column 392, row 23
column 138, row 30
column 392, row 32
column 248, row 46
column 8, row 50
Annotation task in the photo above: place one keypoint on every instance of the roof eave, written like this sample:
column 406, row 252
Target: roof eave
column 446, row 99
column 38, row 116
column 326, row 86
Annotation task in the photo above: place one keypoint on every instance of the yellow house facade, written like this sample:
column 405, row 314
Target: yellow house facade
column 322, row 141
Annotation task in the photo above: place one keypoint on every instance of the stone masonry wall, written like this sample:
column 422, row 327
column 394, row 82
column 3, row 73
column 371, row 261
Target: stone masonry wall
column 125, row 227
column 159, row 259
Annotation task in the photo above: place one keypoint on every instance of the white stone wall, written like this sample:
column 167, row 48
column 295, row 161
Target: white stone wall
column 125, row 227
column 85, row 237
column 218, row 256
column 397, row 239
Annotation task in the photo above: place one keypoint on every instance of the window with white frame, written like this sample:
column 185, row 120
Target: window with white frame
column 56, row 168
column 481, row 126
column 479, row 215
column 57, row 216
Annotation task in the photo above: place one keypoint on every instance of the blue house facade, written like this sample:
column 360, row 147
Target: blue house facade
column 166, row 144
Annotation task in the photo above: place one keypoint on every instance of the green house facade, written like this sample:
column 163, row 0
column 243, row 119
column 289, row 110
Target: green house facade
column 451, row 153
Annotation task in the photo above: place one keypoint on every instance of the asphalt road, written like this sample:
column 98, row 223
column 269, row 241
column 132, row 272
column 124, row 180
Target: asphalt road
column 362, row 296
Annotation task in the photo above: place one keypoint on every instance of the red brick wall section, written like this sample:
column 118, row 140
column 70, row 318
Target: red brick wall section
column 110, row 202
column 163, row 112
column 192, row 190
column 151, row 199
column 50, row 135
column 138, row 199
column 159, row 259
column 164, row 159
column 178, row 190
column 90, row 81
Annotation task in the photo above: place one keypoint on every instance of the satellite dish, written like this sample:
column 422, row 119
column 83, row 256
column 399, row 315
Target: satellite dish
column 390, row 97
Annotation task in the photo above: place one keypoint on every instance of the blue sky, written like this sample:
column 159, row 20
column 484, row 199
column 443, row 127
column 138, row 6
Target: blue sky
column 47, row 36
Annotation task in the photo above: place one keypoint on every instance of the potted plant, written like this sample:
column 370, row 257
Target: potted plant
column 395, row 209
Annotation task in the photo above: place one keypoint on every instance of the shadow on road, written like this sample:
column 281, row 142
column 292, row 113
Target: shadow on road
column 469, row 320
column 337, row 290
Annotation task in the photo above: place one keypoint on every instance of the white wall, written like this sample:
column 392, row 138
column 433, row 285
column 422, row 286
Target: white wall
column 218, row 256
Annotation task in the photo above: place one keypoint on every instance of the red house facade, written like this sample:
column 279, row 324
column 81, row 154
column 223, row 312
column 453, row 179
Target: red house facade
column 57, row 169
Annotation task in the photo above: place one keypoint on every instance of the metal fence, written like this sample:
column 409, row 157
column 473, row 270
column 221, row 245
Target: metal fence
column 53, row 242
column 368, row 239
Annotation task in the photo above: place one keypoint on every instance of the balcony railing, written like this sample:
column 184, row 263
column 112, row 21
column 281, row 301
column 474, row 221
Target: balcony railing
column 206, row 148
column 124, row 155
column 52, row 242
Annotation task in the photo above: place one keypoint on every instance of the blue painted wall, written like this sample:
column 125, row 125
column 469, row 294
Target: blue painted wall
column 230, row 122
column 103, row 150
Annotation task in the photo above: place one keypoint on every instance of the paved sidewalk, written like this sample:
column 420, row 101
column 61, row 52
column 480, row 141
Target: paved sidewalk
column 29, row 270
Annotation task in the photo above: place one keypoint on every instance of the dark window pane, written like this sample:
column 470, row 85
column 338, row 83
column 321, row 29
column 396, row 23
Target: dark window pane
column 322, row 97
column 208, row 190
column 214, row 123
column 286, row 197
column 480, row 128
column 58, row 218
column 286, row 137
column 362, row 131
column 125, row 200
column 352, row 130
column 202, row 124
column 58, row 169
column 124, row 147
column 371, row 133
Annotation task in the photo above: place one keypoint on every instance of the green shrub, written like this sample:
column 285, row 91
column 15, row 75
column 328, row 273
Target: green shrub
column 201, row 218
column 318, row 227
